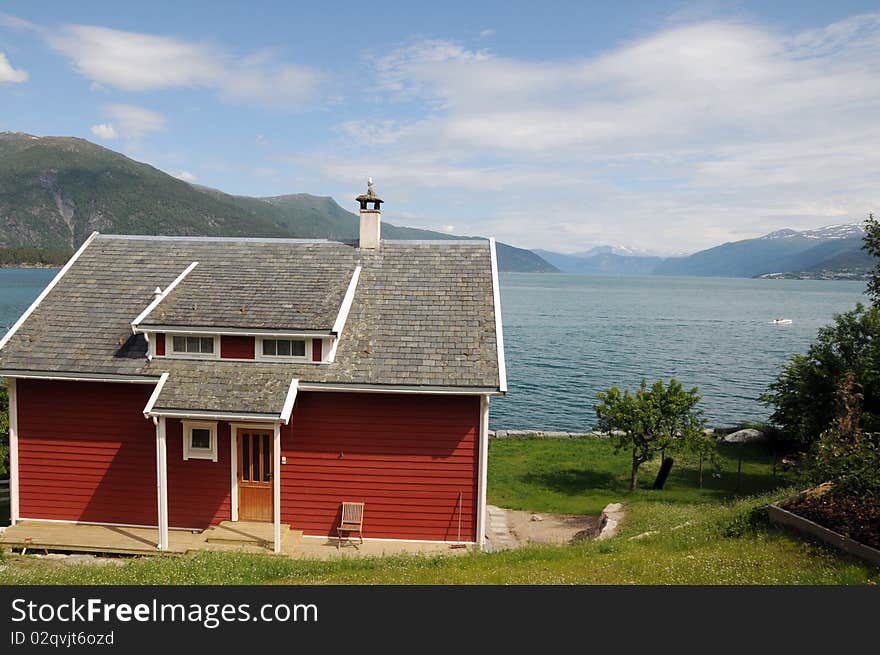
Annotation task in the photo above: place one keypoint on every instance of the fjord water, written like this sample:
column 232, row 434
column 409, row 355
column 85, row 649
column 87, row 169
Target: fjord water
column 569, row 336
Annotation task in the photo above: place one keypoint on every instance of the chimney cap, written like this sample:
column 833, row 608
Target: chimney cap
column 369, row 196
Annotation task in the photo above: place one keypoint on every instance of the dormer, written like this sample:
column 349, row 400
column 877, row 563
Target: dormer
column 254, row 306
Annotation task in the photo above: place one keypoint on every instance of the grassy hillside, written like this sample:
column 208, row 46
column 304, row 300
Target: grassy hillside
column 55, row 191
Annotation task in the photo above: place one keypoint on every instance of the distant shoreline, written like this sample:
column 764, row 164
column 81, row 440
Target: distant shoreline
column 30, row 266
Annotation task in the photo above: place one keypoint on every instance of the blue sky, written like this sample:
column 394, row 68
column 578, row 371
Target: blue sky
column 663, row 126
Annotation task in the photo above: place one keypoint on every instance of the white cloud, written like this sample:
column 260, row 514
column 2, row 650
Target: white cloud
column 134, row 61
column 10, row 74
column 690, row 136
column 104, row 131
column 484, row 34
column 134, row 122
column 186, row 176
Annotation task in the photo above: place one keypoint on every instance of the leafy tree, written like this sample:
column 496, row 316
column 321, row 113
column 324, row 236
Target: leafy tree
column 804, row 394
column 872, row 245
column 650, row 421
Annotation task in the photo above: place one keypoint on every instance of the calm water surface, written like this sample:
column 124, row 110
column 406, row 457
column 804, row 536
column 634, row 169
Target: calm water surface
column 569, row 336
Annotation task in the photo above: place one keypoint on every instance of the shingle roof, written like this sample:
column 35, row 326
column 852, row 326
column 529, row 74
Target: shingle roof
column 269, row 292
column 423, row 314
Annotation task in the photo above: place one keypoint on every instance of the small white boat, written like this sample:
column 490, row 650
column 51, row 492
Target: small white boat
column 781, row 321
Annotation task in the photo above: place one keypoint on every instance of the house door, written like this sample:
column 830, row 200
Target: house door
column 255, row 475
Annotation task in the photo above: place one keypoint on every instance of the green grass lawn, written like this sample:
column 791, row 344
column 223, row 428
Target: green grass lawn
column 703, row 536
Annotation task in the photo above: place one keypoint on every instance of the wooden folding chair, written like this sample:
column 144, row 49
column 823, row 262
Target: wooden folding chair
column 352, row 521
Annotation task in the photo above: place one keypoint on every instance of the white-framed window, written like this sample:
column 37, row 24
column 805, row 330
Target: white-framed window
column 271, row 348
column 192, row 345
column 200, row 440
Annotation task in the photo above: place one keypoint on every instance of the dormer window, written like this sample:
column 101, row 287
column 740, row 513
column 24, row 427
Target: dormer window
column 283, row 348
column 193, row 346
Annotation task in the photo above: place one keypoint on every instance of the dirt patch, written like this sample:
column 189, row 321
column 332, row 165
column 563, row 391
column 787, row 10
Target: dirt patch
column 856, row 518
column 539, row 528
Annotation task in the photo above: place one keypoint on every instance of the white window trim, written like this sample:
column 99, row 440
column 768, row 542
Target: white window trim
column 258, row 351
column 173, row 354
column 199, row 453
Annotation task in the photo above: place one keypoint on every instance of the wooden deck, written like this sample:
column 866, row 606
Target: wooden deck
column 36, row 536
column 241, row 536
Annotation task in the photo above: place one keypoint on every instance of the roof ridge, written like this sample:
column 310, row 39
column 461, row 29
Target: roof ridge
column 206, row 239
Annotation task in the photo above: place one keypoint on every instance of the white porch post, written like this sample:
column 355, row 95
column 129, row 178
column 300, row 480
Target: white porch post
column 162, row 483
column 13, row 452
column 233, row 460
column 483, row 461
column 276, row 486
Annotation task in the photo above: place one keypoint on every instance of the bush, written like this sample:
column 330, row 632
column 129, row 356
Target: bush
column 845, row 454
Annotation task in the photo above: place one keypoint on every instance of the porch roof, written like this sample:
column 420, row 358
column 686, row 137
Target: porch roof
column 224, row 388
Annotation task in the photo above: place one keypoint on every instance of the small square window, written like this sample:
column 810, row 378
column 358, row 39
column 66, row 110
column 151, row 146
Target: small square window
column 179, row 344
column 199, row 440
column 284, row 348
column 269, row 347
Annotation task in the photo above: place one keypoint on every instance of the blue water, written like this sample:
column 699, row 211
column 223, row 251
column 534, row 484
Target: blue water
column 18, row 288
column 567, row 337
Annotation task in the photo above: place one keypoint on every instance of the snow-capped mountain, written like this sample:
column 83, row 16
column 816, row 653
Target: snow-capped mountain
column 842, row 231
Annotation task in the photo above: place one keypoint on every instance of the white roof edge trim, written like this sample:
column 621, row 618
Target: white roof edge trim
column 162, row 296
column 55, row 280
column 366, row 388
column 287, row 410
column 202, row 414
column 155, row 395
column 344, row 309
column 77, row 377
column 499, row 332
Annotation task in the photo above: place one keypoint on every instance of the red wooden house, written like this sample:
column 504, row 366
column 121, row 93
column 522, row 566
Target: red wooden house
column 178, row 382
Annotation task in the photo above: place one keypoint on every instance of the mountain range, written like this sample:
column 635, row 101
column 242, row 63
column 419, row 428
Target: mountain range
column 55, row 191
column 834, row 251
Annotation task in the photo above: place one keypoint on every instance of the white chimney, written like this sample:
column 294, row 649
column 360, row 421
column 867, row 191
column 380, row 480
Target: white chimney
column 371, row 218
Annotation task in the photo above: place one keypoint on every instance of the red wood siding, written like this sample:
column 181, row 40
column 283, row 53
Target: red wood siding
column 86, row 453
column 406, row 457
column 236, row 347
column 198, row 489
column 160, row 344
column 317, row 349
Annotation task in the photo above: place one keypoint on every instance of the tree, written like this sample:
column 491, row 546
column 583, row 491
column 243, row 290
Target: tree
column 872, row 245
column 651, row 421
column 805, row 393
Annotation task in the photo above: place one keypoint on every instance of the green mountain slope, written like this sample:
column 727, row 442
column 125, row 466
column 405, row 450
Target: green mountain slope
column 55, row 191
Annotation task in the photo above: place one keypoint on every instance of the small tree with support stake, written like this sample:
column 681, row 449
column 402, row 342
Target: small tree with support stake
column 662, row 418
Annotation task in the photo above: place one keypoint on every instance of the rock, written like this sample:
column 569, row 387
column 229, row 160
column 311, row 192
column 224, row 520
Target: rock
column 644, row 535
column 535, row 517
column 54, row 556
column 748, row 435
column 79, row 559
column 683, row 525
column 2, row 568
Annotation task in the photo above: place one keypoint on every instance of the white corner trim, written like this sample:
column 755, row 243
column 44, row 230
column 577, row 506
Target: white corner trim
column 13, row 451
column 155, row 395
column 162, row 484
column 287, row 410
column 482, row 471
column 233, row 482
column 45, row 292
column 499, row 333
column 276, row 486
column 344, row 309
column 161, row 297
